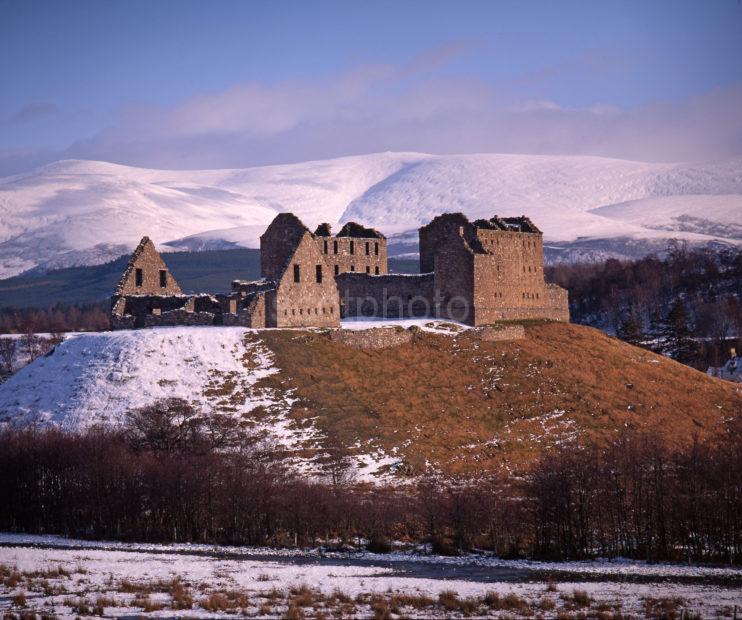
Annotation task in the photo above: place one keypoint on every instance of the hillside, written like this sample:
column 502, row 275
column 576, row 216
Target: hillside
column 74, row 213
column 447, row 397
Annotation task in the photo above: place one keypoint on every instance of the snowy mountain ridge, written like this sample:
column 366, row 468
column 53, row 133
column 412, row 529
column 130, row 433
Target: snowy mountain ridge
column 86, row 212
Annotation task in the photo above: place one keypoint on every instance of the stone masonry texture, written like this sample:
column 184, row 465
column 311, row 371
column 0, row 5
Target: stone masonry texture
column 478, row 273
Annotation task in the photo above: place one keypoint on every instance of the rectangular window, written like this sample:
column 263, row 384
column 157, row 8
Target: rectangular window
column 352, row 247
column 352, row 267
column 325, row 246
column 318, row 274
column 368, row 248
column 163, row 278
column 335, row 247
column 368, row 269
column 138, row 277
column 337, row 269
column 297, row 274
column 376, row 248
column 376, row 270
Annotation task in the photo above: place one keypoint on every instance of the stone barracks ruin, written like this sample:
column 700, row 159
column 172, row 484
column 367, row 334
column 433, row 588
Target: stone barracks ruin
column 476, row 272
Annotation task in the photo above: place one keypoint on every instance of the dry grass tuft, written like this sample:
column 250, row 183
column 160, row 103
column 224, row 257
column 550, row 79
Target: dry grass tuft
column 19, row 600
column 293, row 613
column 180, row 595
column 665, row 608
column 418, row 601
column 577, row 600
column 146, row 604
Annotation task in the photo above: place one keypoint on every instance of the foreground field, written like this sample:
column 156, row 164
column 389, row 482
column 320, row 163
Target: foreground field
column 66, row 578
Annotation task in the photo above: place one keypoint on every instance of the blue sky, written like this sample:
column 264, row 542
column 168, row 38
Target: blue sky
column 211, row 84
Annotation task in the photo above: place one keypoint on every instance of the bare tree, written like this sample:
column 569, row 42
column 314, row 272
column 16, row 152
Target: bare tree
column 169, row 425
column 7, row 355
column 337, row 461
column 173, row 425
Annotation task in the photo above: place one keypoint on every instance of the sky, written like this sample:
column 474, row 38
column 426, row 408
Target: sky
column 181, row 84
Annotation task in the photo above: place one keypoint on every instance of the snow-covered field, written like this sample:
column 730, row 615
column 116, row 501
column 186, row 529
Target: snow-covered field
column 86, row 212
column 62, row 576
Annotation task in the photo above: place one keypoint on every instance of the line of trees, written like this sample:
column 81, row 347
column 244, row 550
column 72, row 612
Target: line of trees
column 175, row 477
column 687, row 305
column 57, row 318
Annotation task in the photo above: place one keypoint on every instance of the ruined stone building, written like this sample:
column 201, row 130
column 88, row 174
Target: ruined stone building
column 475, row 272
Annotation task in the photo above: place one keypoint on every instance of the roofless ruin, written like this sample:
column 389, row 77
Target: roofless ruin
column 476, row 272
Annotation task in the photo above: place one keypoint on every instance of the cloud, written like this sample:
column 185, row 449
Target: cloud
column 411, row 107
column 34, row 111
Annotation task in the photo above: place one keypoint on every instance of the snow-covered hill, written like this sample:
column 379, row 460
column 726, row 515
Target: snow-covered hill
column 93, row 379
column 96, row 378
column 85, row 212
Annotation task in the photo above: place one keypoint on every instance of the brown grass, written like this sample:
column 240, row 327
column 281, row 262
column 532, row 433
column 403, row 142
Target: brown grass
column 576, row 600
column 418, row 601
column 146, row 604
column 10, row 577
column 80, row 606
column 293, row 613
column 303, row 596
column 180, row 595
column 492, row 388
column 663, row 608
column 216, row 601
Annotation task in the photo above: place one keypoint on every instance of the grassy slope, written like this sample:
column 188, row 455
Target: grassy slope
column 467, row 404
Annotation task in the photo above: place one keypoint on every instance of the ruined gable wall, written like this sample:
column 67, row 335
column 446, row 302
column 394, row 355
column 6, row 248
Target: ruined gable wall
column 369, row 254
column 306, row 303
column 278, row 243
column 391, row 295
column 148, row 259
column 438, row 232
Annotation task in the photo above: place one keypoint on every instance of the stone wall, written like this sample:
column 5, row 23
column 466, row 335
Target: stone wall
column 278, row 242
column 306, row 303
column 147, row 273
column 474, row 272
column 454, row 280
column 392, row 295
column 246, row 311
column 173, row 318
column 500, row 332
column 354, row 254
column 436, row 233
column 374, row 338
column 558, row 302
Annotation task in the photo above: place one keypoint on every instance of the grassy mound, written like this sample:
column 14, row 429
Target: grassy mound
column 469, row 405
